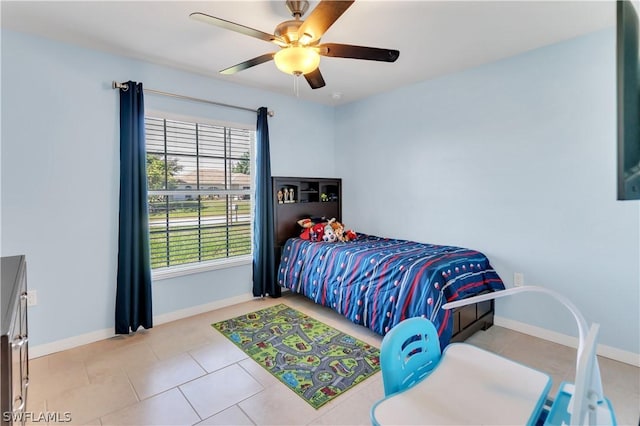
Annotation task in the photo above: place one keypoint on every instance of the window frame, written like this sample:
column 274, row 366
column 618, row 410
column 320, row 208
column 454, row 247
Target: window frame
column 214, row 264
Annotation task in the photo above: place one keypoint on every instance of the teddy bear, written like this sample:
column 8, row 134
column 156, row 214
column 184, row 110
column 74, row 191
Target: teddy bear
column 338, row 229
column 341, row 234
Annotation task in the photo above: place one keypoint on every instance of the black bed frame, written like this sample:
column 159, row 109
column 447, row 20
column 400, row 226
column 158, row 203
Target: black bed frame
column 308, row 202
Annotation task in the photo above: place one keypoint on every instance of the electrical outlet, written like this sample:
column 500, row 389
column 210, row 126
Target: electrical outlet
column 32, row 298
column 518, row 279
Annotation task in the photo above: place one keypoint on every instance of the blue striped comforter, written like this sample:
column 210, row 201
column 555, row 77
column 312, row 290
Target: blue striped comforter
column 378, row 282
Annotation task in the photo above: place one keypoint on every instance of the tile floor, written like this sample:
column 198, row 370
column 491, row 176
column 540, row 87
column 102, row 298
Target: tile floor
column 186, row 373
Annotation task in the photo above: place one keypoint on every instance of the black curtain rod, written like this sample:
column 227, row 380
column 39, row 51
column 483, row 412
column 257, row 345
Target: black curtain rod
column 124, row 86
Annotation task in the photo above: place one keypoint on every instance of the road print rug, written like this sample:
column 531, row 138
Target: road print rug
column 314, row 360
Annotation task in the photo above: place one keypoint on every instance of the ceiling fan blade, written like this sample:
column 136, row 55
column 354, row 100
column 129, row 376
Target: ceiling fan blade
column 337, row 50
column 248, row 64
column 314, row 78
column 222, row 23
column 321, row 18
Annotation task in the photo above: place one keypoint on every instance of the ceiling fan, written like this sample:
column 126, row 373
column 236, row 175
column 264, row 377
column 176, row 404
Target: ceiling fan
column 299, row 41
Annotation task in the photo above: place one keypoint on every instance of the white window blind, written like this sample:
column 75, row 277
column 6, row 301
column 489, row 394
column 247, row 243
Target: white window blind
column 199, row 189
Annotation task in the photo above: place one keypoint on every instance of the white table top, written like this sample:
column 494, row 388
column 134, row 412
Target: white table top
column 469, row 386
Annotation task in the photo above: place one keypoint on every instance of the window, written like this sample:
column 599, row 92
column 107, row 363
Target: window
column 199, row 189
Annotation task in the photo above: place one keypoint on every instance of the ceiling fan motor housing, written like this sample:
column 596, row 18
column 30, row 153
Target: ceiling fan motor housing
column 288, row 30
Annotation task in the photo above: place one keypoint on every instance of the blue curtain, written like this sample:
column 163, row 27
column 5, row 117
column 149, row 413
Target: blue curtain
column 133, row 293
column 264, row 270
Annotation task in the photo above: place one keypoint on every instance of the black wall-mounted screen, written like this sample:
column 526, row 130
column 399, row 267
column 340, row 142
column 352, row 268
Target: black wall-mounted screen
column 628, row 77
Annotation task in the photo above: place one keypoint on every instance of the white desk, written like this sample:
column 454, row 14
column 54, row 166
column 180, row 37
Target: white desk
column 460, row 393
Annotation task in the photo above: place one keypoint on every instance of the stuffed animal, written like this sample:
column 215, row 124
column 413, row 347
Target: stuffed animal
column 350, row 235
column 329, row 236
column 306, row 225
column 338, row 229
column 319, row 229
column 317, row 232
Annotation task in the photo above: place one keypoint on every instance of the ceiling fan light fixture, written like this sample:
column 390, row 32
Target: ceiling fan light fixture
column 297, row 60
column 299, row 41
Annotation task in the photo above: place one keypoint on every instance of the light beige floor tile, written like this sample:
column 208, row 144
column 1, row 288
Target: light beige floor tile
column 35, row 406
column 621, row 385
column 231, row 416
column 91, row 401
column 551, row 358
column 36, row 400
column 35, row 409
column 44, row 385
column 495, row 339
column 164, row 375
column 617, row 374
column 240, row 309
column 107, row 374
column 132, row 356
column 39, row 366
column 168, row 408
column 220, row 390
column 171, row 339
column 113, row 365
column 265, row 408
column 258, row 372
column 218, row 354
column 65, row 360
column 236, row 310
column 626, row 405
column 354, row 412
column 355, row 407
column 107, row 345
column 91, row 381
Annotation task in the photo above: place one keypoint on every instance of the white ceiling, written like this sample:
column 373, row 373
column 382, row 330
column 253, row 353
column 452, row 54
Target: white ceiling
column 433, row 37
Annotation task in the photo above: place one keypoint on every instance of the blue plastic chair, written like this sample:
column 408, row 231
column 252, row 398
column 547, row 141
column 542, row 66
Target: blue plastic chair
column 469, row 385
column 421, row 384
column 408, row 353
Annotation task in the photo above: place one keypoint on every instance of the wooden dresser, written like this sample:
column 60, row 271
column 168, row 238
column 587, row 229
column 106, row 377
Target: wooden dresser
column 14, row 346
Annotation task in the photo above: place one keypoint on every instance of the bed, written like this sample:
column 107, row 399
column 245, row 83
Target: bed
column 378, row 282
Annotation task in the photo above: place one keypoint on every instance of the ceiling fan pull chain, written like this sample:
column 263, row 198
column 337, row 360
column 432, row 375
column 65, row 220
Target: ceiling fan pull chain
column 296, row 85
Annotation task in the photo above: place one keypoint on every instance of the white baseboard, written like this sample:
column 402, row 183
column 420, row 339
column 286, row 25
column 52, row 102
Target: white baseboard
column 69, row 343
column 542, row 333
column 195, row 310
column 563, row 339
column 94, row 336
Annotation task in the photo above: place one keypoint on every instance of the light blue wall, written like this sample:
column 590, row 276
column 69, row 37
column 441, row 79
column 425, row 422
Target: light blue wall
column 60, row 173
column 517, row 159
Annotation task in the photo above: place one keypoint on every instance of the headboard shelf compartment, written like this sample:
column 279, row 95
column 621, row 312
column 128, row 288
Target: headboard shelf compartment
column 306, row 197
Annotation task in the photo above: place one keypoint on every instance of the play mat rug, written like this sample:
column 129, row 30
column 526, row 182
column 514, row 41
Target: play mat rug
column 316, row 361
